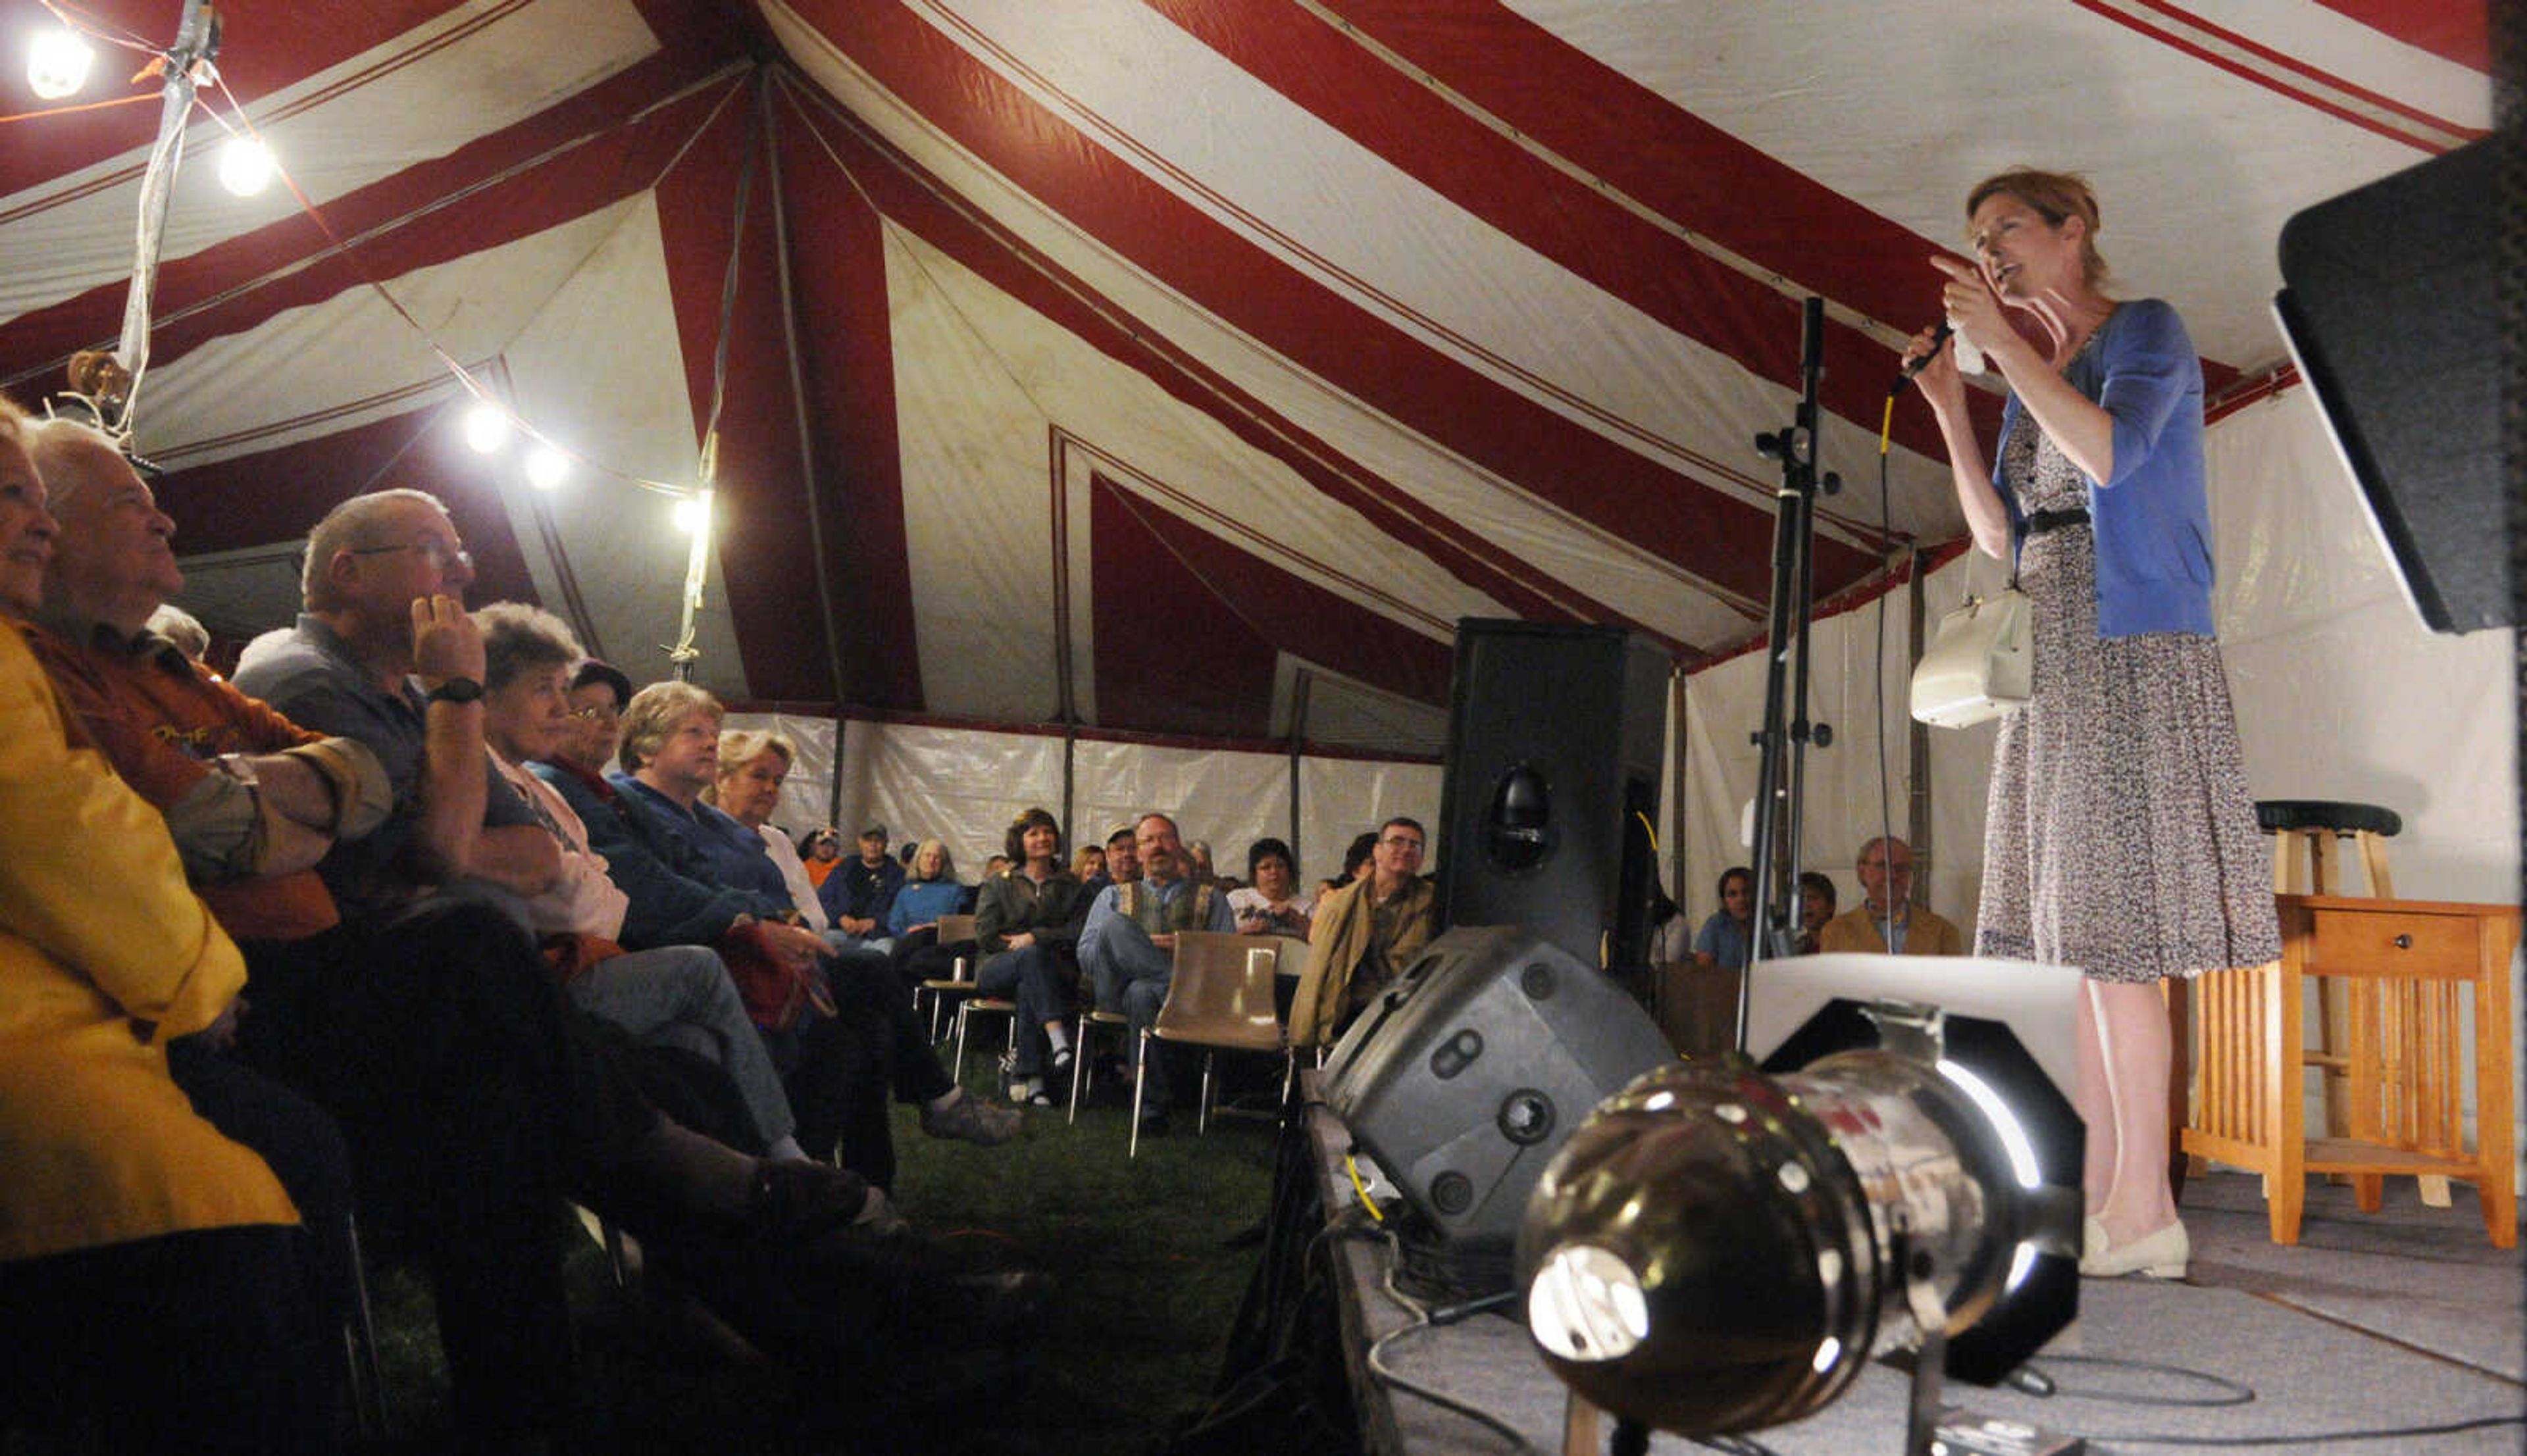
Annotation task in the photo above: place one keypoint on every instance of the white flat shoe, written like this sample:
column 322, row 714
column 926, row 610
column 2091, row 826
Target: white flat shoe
column 2092, row 1240
column 2160, row 1255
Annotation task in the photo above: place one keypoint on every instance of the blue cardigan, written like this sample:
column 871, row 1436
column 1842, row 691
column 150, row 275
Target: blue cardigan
column 2152, row 520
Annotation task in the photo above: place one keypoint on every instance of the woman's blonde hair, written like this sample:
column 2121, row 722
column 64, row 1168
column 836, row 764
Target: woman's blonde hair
column 2055, row 196
column 653, row 713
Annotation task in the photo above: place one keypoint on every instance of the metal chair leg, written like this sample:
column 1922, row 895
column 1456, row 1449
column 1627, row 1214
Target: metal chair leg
column 360, row 1347
column 1079, row 1068
column 962, row 1008
column 1140, row 1075
column 1202, row 1109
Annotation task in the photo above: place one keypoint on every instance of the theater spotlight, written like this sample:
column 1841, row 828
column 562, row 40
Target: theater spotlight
column 1722, row 1245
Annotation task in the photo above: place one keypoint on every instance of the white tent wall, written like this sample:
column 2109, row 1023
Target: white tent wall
column 963, row 786
column 2341, row 694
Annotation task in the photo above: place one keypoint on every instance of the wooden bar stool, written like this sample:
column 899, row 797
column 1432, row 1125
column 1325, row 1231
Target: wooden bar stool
column 2307, row 860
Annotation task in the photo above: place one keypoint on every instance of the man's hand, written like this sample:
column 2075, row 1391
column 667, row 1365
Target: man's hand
column 1166, row 942
column 445, row 642
column 1019, row 941
column 853, row 925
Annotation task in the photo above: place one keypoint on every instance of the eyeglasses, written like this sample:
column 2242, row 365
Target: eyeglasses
column 1400, row 842
column 594, row 713
column 438, row 553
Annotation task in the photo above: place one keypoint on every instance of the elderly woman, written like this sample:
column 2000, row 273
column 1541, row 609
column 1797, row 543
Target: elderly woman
column 154, row 1276
column 930, row 892
column 753, row 764
column 2123, row 769
column 1270, row 902
column 678, row 995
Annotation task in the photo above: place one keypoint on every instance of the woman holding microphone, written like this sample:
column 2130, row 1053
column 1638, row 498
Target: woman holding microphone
column 2119, row 836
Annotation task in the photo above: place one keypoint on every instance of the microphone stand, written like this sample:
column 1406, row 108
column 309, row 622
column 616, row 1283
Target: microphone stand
column 1780, row 784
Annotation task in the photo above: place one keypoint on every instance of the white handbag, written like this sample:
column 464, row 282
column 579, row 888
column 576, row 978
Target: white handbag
column 1980, row 663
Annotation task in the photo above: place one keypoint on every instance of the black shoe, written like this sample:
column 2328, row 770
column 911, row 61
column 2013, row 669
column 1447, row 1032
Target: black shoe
column 797, row 1200
column 1154, row 1123
column 1060, row 1069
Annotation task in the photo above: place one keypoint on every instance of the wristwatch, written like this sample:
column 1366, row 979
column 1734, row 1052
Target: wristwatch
column 456, row 690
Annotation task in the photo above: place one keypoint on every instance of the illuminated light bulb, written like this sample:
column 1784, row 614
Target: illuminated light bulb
column 487, row 427
column 245, row 166
column 693, row 515
column 57, row 64
column 546, row 467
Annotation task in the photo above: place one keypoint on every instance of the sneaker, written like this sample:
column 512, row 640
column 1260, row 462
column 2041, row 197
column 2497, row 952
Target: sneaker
column 975, row 1120
column 1063, row 1060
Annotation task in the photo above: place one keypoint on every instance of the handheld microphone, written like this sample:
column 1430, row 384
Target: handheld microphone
column 1969, row 358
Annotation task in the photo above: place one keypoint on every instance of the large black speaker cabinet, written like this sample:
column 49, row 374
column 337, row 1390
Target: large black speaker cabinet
column 1469, row 1073
column 1554, row 740
column 2389, row 303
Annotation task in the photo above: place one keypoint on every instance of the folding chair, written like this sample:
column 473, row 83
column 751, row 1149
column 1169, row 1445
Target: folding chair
column 1221, row 997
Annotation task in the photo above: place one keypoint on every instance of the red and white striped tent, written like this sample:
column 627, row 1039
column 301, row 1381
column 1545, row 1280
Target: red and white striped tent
column 1151, row 367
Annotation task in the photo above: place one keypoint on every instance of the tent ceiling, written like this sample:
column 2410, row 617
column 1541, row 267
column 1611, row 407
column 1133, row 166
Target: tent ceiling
column 1132, row 363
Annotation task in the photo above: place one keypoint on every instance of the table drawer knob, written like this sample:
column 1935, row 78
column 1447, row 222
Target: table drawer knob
column 2404, row 943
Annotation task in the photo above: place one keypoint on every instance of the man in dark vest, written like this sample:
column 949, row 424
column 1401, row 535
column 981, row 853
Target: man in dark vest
column 1128, row 945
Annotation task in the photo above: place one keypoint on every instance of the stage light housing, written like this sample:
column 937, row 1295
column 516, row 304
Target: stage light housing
column 1722, row 1245
column 57, row 64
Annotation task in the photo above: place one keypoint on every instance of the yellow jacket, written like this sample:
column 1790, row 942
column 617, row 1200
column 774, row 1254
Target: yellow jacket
column 1340, row 934
column 104, row 955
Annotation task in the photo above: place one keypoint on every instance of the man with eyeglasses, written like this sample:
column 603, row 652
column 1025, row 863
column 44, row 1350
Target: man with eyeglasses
column 1127, row 945
column 1365, row 934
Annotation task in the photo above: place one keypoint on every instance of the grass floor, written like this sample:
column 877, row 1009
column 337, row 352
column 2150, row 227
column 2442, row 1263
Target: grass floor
column 1141, row 1249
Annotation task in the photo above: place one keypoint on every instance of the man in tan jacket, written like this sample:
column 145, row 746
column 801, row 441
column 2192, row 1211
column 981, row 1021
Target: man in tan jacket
column 1365, row 934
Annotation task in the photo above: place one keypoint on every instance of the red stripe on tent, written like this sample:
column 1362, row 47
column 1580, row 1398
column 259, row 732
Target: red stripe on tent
column 2460, row 33
column 622, row 159
column 1576, row 224
column 1722, row 539
column 762, row 497
column 849, row 369
column 1171, row 651
column 280, row 494
column 2272, row 80
column 913, row 201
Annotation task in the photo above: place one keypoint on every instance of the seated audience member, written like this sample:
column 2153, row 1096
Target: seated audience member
column 181, row 628
column 1886, row 918
column 1356, row 862
column 1023, row 925
column 1123, row 857
column 473, row 1091
column 155, row 1276
column 1815, row 907
column 996, row 865
column 1365, row 934
column 1127, row 946
column 821, row 851
column 1085, row 864
column 1726, row 940
column 1670, row 934
column 857, row 896
column 753, row 766
column 671, row 751
column 1270, row 903
column 1198, row 852
column 677, row 995
column 930, row 892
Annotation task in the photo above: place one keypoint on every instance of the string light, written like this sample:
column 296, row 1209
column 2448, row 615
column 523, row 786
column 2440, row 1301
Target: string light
column 693, row 515
column 486, row 427
column 57, row 64
column 546, row 467
column 245, row 166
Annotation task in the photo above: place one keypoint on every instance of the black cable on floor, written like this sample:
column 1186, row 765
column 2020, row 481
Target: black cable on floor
column 2233, row 1393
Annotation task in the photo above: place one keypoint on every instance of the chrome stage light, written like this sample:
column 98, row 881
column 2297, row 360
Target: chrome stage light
column 1721, row 1246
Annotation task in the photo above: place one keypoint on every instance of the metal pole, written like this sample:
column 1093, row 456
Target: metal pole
column 196, row 40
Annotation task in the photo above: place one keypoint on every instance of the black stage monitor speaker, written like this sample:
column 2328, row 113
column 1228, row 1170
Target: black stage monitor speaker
column 1465, row 1077
column 2389, row 305
column 1554, row 740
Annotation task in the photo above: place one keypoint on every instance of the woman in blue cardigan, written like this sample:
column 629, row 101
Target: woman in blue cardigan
column 2120, row 838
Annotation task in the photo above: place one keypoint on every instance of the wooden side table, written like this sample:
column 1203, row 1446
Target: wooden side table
column 2402, row 963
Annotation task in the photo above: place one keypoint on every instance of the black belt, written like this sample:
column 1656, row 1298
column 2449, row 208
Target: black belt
column 2040, row 522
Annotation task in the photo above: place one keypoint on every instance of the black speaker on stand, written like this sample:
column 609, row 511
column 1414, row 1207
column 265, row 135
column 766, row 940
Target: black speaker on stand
column 1555, row 734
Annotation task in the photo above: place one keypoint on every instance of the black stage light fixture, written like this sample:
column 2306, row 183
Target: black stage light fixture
column 1722, row 1245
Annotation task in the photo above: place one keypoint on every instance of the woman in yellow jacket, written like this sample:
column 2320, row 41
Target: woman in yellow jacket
column 153, row 1281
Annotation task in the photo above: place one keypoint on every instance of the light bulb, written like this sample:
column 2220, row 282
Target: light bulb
column 546, row 467
column 693, row 515
column 487, row 427
column 245, row 166
column 57, row 62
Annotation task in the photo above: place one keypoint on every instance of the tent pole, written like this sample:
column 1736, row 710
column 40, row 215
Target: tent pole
column 808, row 477
column 1917, row 813
column 1676, row 814
column 1069, row 812
column 1298, row 756
column 197, row 39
